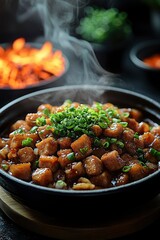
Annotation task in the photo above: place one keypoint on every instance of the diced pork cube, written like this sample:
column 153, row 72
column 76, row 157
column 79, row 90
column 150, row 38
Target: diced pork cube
column 20, row 124
column 137, row 171
column 63, row 157
column 114, row 130
column 26, row 154
column 112, row 161
column 21, row 170
column 74, row 170
column 42, row 176
column 16, row 140
column 122, row 179
column 93, row 165
column 64, row 142
column 47, row 146
column 82, row 147
column 102, row 180
column 156, row 130
column 44, row 132
column 49, row 162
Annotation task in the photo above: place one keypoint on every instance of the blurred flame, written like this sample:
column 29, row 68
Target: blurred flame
column 22, row 65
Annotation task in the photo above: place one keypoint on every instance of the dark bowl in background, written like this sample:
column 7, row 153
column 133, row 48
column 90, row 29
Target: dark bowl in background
column 141, row 50
column 9, row 94
column 92, row 205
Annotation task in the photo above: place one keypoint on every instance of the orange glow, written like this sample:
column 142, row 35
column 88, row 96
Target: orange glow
column 22, row 65
column 153, row 61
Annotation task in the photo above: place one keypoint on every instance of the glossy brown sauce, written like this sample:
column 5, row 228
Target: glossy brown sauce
column 81, row 147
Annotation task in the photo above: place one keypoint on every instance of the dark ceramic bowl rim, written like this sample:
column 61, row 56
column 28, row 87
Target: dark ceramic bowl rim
column 77, row 193
column 141, row 46
column 43, row 82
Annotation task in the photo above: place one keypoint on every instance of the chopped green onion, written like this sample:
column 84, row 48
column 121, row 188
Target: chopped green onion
column 103, row 124
column 115, row 120
column 19, row 130
column 125, row 114
column 83, row 150
column 37, row 163
column 155, row 152
column 60, row 184
column 5, row 167
column 49, row 127
column 46, row 111
column 71, row 156
column 136, row 135
column 27, row 142
column 98, row 105
column 97, row 142
column 79, row 120
column 113, row 140
column 67, row 102
column 112, row 112
column 124, row 124
column 126, row 169
column 41, row 121
column 106, row 144
column 120, row 144
column 33, row 129
column 139, row 150
column 142, row 163
column 75, row 121
column 140, row 154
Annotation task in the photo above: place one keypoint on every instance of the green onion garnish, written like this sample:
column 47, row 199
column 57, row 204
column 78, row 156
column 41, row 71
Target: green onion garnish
column 71, row 156
column 113, row 140
column 83, row 150
column 125, row 114
column 46, row 111
column 19, row 130
column 124, row 124
column 120, row 144
column 155, row 152
column 136, row 135
column 41, row 121
column 106, row 144
column 27, row 142
column 126, row 169
column 5, row 167
column 33, row 129
column 75, row 121
column 97, row 142
column 60, row 184
column 140, row 154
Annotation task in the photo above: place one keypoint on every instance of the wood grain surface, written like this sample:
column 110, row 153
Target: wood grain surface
column 48, row 226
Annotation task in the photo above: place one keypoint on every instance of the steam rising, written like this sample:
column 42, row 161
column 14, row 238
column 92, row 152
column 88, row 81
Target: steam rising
column 58, row 18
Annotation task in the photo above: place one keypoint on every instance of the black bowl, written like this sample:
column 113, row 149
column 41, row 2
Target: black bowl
column 139, row 52
column 93, row 204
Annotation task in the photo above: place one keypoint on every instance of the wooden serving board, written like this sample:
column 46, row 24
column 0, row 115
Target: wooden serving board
column 47, row 226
